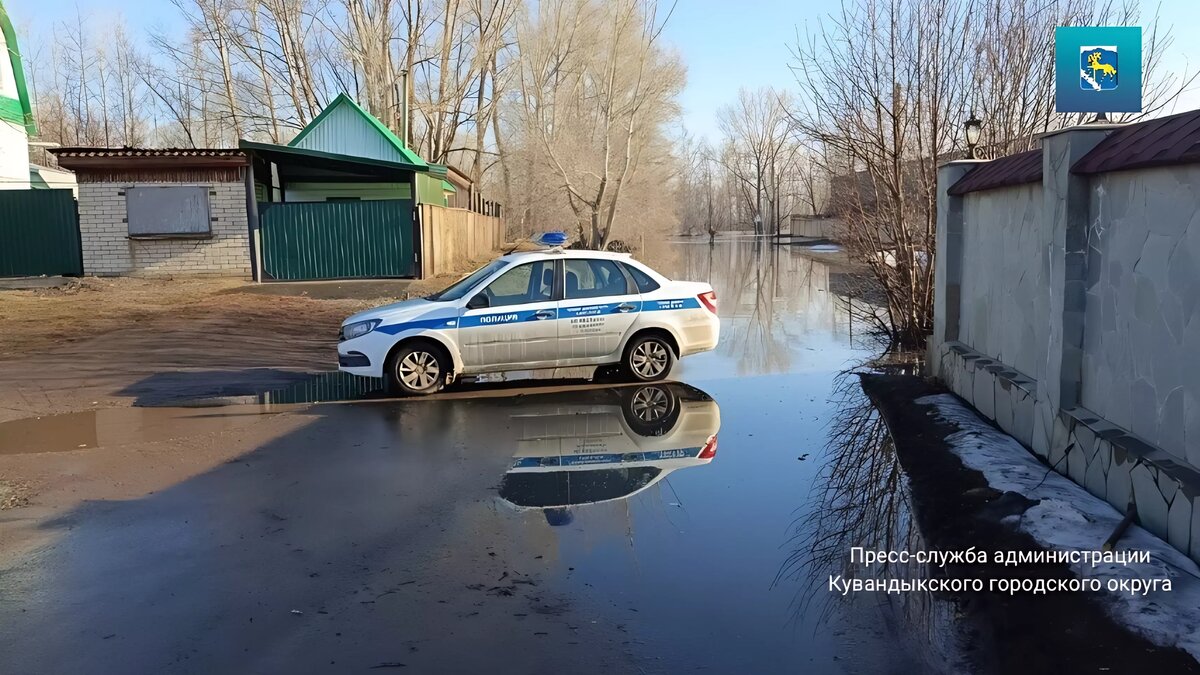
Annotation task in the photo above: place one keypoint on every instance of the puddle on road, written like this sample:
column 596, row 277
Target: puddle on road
column 301, row 388
column 339, row 387
column 165, row 415
column 112, row 427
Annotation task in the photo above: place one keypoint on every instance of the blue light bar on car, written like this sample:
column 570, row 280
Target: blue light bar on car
column 551, row 239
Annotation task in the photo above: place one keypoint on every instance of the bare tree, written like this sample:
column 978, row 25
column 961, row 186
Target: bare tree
column 595, row 88
column 884, row 88
column 1017, row 99
column 756, row 129
column 368, row 42
column 690, row 185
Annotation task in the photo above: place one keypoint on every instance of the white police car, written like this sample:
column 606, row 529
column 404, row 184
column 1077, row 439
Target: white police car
column 534, row 310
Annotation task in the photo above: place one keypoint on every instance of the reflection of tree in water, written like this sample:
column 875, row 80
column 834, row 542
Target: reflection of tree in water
column 770, row 297
column 861, row 498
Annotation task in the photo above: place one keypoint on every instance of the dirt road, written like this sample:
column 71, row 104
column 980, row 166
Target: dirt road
column 104, row 343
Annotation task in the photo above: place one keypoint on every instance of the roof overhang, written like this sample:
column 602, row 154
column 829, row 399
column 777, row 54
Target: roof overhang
column 78, row 159
column 293, row 160
column 458, row 177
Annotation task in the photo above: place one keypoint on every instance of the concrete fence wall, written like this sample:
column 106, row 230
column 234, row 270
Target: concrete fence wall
column 452, row 238
column 1005, row 321
column 1068, row 312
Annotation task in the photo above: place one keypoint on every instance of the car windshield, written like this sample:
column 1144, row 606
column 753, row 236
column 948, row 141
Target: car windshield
column 460, row 288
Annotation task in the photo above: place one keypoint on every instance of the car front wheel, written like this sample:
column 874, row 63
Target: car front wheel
column 648, row 358
column 417, row 369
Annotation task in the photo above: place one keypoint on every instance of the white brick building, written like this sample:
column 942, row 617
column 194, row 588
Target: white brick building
column 162, row 212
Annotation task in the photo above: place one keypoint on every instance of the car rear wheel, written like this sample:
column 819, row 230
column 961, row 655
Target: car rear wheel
column 648, row 358
column 417, row 369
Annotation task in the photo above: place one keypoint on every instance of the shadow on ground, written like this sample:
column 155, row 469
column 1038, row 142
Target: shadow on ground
column 196, row 387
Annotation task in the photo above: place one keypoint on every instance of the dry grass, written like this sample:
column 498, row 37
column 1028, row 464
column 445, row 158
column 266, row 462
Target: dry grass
column 36, row 319
column 14, row 494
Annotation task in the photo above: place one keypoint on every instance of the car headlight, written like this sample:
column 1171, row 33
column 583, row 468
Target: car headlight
column 359, row 328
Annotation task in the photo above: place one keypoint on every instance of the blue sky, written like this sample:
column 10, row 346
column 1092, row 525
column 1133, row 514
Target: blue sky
column 726, row 44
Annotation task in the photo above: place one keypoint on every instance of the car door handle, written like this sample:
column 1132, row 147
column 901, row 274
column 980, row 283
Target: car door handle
column 625, row 307
column 544, row 314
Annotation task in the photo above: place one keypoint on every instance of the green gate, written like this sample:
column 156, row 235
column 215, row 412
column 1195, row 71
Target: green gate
column 337, row 240
column 39, row 233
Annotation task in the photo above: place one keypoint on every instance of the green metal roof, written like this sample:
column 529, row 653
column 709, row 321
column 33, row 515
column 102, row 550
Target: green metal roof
column 344, row 100
column 448, row 186
column 18, row 110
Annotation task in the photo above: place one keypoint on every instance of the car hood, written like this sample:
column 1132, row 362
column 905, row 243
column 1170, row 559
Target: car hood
column 397, row 311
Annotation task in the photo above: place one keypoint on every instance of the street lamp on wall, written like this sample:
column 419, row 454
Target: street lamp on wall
column 974, row 128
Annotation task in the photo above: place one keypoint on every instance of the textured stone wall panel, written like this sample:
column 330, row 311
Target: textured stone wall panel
column 1004, row 237
column 1142, row 318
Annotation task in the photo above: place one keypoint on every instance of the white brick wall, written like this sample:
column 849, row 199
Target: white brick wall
column 108, row 250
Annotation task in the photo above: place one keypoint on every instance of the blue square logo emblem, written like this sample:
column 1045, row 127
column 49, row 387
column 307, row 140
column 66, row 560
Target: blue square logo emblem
column 1097, row 69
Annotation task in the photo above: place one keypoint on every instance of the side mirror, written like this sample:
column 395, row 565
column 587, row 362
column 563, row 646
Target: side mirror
column 480, row 301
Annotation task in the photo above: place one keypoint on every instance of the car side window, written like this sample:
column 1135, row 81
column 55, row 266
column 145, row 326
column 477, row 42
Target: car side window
column 594, row 278
column 644, row 283
column 531, row 282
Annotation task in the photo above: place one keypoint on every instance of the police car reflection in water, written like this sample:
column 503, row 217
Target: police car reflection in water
column 600, row 445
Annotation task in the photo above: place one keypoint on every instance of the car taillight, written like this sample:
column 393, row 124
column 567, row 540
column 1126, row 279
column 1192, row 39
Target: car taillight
column 709, row 300
column 710, row 448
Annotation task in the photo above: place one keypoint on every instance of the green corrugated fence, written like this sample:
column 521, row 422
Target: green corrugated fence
column 39, row 233
column 337, row 240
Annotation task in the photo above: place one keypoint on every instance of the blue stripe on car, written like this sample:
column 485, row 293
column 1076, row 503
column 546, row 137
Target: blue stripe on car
column 444, row 322
column 501, row 318
column 605, row 458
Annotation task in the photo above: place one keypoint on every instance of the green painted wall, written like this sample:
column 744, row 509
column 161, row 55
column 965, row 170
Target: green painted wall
column 337, row 240
column 429, row 190
column 40, row 233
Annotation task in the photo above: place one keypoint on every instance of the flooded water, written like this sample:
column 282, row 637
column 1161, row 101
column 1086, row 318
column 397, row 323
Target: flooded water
column 673, row 527
column 703, row 566
column 109, row 427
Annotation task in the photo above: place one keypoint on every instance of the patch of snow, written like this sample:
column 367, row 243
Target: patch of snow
column 1070, row 518
column 824, row 248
